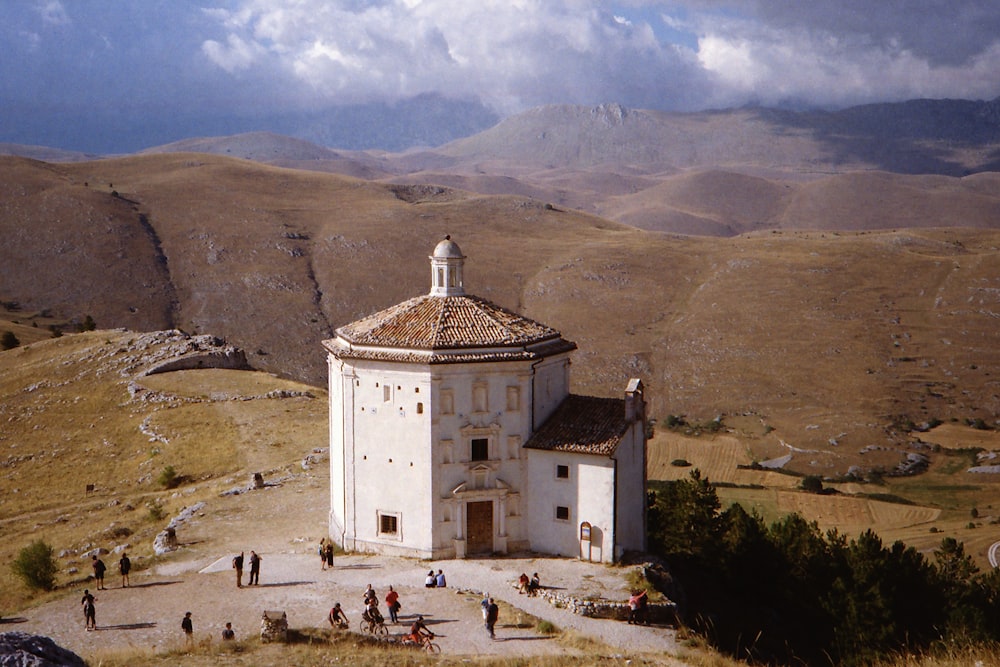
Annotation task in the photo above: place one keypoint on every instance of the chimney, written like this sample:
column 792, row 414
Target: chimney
column 635, row 405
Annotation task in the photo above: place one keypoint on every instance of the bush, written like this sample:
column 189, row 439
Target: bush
column 9, row 341
column 36, row 566
column 156, row 511
column 169, row 478
column 812, row 484
column 546, row 628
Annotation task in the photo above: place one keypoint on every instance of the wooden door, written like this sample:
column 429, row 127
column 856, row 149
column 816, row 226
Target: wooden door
column 479, row 527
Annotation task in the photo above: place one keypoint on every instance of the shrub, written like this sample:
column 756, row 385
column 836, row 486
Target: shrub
column 169, row 478
column 156, row 512
column 812, row 484
column 36, row 566
column 545, row 628
column 9, row 341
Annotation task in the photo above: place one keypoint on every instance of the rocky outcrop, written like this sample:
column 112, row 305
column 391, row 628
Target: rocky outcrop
column 19, row 649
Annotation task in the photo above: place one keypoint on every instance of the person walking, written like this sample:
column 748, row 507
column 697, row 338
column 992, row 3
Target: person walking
column 238, row 566
column 99, row 569
column 485, row 605
column 254, row 569
column 492, row 615
column 89, row 610
column 124, row 567
column 392, row 603
column 188, row 627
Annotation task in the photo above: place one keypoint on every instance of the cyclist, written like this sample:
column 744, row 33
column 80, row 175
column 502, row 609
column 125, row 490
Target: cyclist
column 337, row 617
column 418, row 631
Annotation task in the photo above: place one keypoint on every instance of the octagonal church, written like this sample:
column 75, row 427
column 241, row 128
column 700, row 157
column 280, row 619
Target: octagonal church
column 453, row 434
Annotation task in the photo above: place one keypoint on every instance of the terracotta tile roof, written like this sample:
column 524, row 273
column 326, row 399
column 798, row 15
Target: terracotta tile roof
column 446, row 329
column 583, row 424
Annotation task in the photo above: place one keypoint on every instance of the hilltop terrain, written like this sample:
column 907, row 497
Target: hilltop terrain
column 823, row 335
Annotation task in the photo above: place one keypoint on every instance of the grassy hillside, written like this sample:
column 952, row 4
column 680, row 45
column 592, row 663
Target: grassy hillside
column 826, row 336
column 78, row 411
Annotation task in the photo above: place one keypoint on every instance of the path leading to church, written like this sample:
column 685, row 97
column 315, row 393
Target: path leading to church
column 283, row 523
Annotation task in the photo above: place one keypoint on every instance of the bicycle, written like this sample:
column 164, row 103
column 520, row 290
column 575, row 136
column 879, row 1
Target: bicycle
column 376, row 627
column 424, row 643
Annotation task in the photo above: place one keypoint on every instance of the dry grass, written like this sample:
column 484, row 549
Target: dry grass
column 69, row 421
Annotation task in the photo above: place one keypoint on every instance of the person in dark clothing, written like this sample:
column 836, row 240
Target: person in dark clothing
column 99, row 569
column 228, row 635
column 124, row 567
column 188, row 627
column 492, row 615
column 254, row 568
column 238, row 566
column 89, row 610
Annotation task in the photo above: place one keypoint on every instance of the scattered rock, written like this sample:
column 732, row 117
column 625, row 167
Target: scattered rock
column 19, row 649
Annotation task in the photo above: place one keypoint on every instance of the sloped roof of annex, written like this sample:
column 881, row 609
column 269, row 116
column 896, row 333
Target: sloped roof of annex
column 583, row 425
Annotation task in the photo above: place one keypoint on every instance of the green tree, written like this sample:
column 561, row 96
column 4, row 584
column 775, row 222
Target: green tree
column 88, row 324
column 169, row 478
column 684, row 519
column 35, row 565
column 9, row 341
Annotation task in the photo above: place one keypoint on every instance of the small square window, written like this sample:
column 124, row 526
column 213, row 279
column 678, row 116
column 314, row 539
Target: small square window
column 420, row 408
column 388, row 524
column 562, row 513
column 562, row 472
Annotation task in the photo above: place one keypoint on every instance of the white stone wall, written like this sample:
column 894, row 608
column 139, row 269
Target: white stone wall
column 587, row 493
column 631, row 491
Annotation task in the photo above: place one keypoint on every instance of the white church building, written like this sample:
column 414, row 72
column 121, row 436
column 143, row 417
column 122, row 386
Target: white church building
column 453, row 434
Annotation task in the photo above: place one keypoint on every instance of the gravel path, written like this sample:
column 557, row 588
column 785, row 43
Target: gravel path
column 280, row 523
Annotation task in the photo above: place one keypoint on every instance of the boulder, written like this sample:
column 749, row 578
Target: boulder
column 19, row 649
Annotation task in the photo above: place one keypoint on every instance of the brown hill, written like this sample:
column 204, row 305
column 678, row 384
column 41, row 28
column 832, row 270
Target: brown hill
column 826, row 336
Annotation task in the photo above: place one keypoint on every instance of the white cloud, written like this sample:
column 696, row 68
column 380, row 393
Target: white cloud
column 53, row 13
column 235, row 55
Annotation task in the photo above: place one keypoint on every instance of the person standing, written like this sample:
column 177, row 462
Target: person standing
column 322, row 553
column 254, row 568
column 188, row 627
column 99, row 569
column 439, row 580
column 238, row 566
column 328, row 553
column 89, row 610
column 124, row 567
column 392, row 603
column 492, row 614
column 228, row 635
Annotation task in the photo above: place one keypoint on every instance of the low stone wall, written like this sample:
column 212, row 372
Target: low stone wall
column 657, row 612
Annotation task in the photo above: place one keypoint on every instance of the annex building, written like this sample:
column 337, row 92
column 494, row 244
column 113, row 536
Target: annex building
column 453, row 434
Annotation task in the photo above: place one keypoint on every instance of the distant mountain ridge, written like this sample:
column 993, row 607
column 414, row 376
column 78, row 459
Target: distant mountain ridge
column 717, row 173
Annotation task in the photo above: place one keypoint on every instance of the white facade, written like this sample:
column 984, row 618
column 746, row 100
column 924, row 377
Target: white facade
column 433, row 406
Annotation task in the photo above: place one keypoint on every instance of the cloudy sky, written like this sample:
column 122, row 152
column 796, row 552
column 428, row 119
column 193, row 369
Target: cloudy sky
column 163, row 63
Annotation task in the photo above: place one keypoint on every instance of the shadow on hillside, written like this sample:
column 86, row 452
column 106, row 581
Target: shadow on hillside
column 13, row 619
column 907, row 138
column 127, row 626
column 359, row 566
column 522, row 638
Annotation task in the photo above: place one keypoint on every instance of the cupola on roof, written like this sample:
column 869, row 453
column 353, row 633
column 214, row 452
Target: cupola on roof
column 447, row 325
